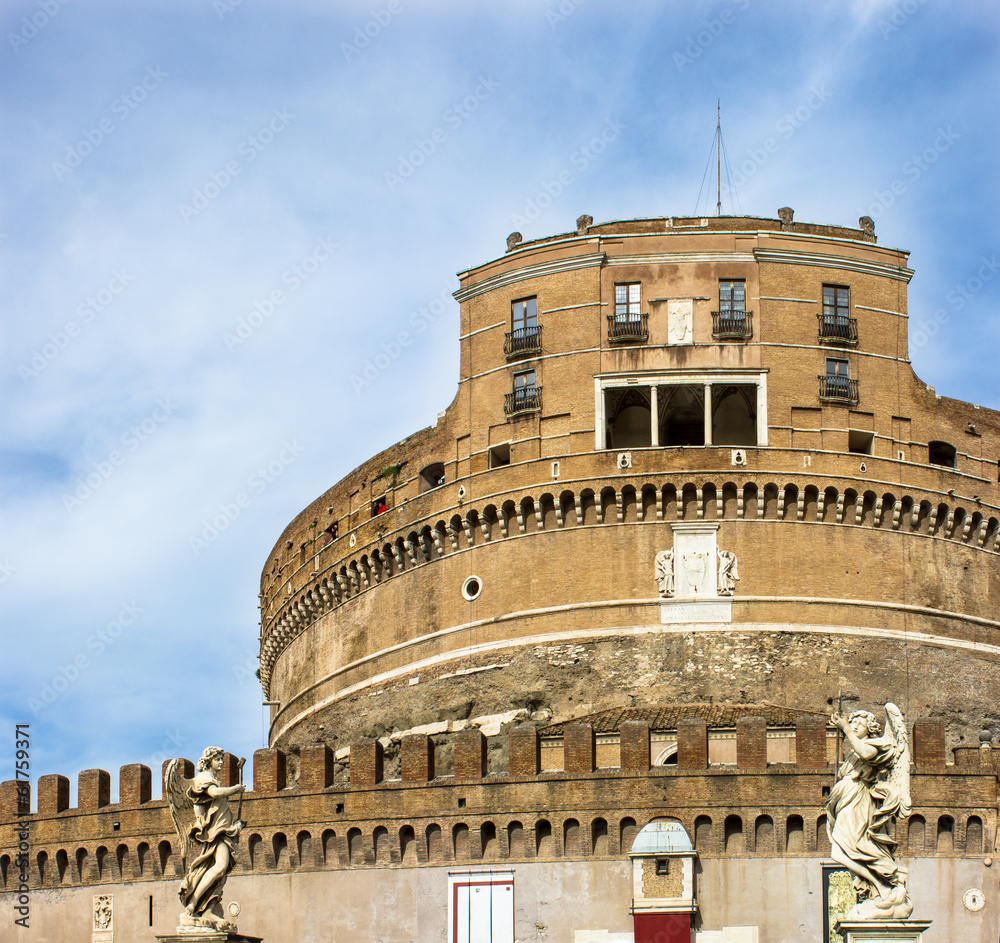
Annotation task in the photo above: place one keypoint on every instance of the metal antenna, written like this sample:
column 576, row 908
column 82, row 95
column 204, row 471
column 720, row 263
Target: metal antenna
column 718, row 153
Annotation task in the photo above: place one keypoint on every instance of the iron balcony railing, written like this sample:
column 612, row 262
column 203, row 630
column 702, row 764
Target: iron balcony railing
column 834, row 329
column 623, row 328
column 522, row 341
column 525, row 400
column 837, row 389
column 736, row 325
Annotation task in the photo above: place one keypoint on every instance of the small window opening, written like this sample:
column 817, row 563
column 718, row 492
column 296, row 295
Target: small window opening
column 861, row 443
column 461, row 803
column 941, row 453
column 340, row 808
column 500, row 455
column 662, row 865
column 432, row 476
column 378, row 507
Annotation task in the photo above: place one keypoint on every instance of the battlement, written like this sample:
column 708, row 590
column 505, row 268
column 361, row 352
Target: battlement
column 473, row 813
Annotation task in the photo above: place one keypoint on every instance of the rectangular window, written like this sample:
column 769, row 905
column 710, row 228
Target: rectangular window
column 524, row 389
column 836, row 306
column 733, row 299
column 627, row 301
column 524, row 315
column 500, row 455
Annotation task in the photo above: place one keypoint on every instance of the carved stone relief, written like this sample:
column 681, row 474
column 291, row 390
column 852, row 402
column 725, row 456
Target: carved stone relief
column 680, row 321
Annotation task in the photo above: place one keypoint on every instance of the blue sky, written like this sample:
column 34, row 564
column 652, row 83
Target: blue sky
column 214, row 214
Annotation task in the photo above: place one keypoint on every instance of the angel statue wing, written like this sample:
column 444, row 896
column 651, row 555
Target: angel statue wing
column 179, row 800
column 899, row 770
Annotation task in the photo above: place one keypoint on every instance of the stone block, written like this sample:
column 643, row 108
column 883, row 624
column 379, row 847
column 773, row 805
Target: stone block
column 810, row 742
column 417, row 758
column 634, row 744
column 367, row 763
column 692, row 743
column 751, row 742
column 269, row 770
column 53, row 794
column 135, row 784
column 93, row 790
column 525, row 752
column 470, row 754
column 315, row 767
column 579, row 748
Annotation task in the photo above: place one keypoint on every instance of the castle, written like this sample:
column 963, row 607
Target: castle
column 572, row 651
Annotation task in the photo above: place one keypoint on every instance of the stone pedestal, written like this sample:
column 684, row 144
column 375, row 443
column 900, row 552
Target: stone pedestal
column 198, row 935
column 882, row 931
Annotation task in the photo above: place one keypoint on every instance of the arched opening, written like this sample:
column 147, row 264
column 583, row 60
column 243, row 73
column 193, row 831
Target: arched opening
column 571, row 838
column 626, row 833
column 380, row 838
column 703, row 834
column 101, row 860
column 62, row 863
column 304, row 851
column 330, row 854
column 734, row 415
column 764, row 835
column 431, row 476
column 682, row 415
column 599, row 836
column 916, row 835
column 355, row 847
column 941, row 453
column 435, row 844
column 734, row 843
column 794, row 835
column 544, row 844
column 407, row 845
column 628, row 418
column 42, row 862
column 515, row 840
column 163, row 851
column 822, row 836
column 460, row 844
column 974, row 835
column 279, row 848
column 488, row 839
column 255, row 851
column 945, row 834
column 122, row 860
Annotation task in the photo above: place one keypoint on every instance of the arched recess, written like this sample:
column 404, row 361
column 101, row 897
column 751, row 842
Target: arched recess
column 331, row 857
column 703, row 834
column 407, row 845
column 279, row 849
column 916, row 835
column 764, row 835
column 515, row 840
column 489, row 841
column 304, row 850
column 734, row 843
column 974, row 835
column 572, row 847
column 945, row 835
column 545, row 846
column 435, row 842
column 599, row 836
column 795, row 835
column 380, row 841
column 355, row 847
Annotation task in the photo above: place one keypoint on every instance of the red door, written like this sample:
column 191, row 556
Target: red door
column 662, row 928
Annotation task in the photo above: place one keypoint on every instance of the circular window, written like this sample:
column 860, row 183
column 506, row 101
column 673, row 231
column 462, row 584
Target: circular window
column 472, row 587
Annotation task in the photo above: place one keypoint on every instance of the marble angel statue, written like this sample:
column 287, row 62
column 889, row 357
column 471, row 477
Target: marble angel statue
column 872, row 790
column 665, row 572
column 208, row 833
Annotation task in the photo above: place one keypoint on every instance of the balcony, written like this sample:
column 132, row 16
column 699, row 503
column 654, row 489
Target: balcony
column 840, row 331
column 528, row 399
column 628, row 328
column 522, row 342
column 732, row 325
column 837, row 389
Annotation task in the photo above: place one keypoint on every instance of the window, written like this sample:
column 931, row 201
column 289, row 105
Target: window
column 733, row 299
column 941, row 453
column 524, row 390
column 836, row 384
column 523, row 315
column 836, row 304
column 627, row 300
column 378, row 507
column 835, row 323
column 861, row 443
column 431, row 477
column 662, row 865
column 500, row 455
column 732, row 319
column 524, row 336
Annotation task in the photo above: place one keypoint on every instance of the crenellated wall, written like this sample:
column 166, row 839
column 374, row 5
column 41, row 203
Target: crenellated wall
column 520, row 814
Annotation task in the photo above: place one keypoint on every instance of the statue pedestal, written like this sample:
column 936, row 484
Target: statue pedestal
column 200, row 935
column 882, row 931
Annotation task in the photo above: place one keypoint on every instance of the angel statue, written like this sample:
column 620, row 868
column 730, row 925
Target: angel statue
column 872, row 790
column 208, row 833
column 665, row 572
